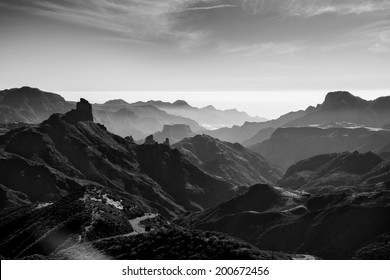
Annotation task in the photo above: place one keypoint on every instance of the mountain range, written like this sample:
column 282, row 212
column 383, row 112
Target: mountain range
column 141, row 181
column 208, row 116
column 337, row 107
column 291, row 144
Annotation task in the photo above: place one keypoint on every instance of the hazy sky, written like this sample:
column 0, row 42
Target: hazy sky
column 262, row 56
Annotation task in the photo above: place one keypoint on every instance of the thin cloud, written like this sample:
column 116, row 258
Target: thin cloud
column 209, row 8
column 290, row 49
column 144, row 20
column 156, row 21
column 312, row 8
column 382, row 44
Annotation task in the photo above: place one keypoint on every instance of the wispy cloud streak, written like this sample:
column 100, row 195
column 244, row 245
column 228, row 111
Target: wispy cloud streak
column 170, row 20
column 286, row 48
column 312, row 8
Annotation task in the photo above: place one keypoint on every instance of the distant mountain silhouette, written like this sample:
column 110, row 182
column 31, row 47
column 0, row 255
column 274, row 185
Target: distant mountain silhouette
column 248, row 130
column 30, row 105
column 292, row 144
column 342, row 106
column 174, row 133
column 137, row 120
column 208, row 116
column 231, row 162
column 260, row 136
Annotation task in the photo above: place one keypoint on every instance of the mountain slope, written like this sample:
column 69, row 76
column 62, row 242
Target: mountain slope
column 331, row 171
column 83, row 215
column 330, row 226
column 231, row 162
column 260, row 136
column 292, row 144
column 34, row 104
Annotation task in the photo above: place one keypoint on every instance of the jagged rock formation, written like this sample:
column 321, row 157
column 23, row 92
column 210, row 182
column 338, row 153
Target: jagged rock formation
column 83, row 112
column 166, row 142
column 130, row 139
column 149, row 140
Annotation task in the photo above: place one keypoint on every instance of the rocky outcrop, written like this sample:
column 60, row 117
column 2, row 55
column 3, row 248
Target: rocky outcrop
column 149, row 140
column 83, row 112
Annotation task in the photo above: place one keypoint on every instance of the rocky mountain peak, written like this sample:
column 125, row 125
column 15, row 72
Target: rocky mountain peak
column 149, row 140
column 180, row 103
column 83, row 112
column 342, row 99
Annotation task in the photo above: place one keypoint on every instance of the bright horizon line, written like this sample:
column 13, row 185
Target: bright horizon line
column 267, row 104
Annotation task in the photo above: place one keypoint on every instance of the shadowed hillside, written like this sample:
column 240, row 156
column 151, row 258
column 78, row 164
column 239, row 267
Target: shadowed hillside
column 231, row 162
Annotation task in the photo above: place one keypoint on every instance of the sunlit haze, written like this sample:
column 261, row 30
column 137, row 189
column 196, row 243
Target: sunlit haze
column 270, row 104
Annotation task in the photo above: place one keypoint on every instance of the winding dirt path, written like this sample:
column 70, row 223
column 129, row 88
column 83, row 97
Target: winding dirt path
column 135, row 223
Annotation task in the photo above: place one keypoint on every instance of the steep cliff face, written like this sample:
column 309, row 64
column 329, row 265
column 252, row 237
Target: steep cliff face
column 83, row 112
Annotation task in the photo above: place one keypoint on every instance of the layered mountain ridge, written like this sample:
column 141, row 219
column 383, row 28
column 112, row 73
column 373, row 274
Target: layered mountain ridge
column 231, row 162
column 72, row 189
